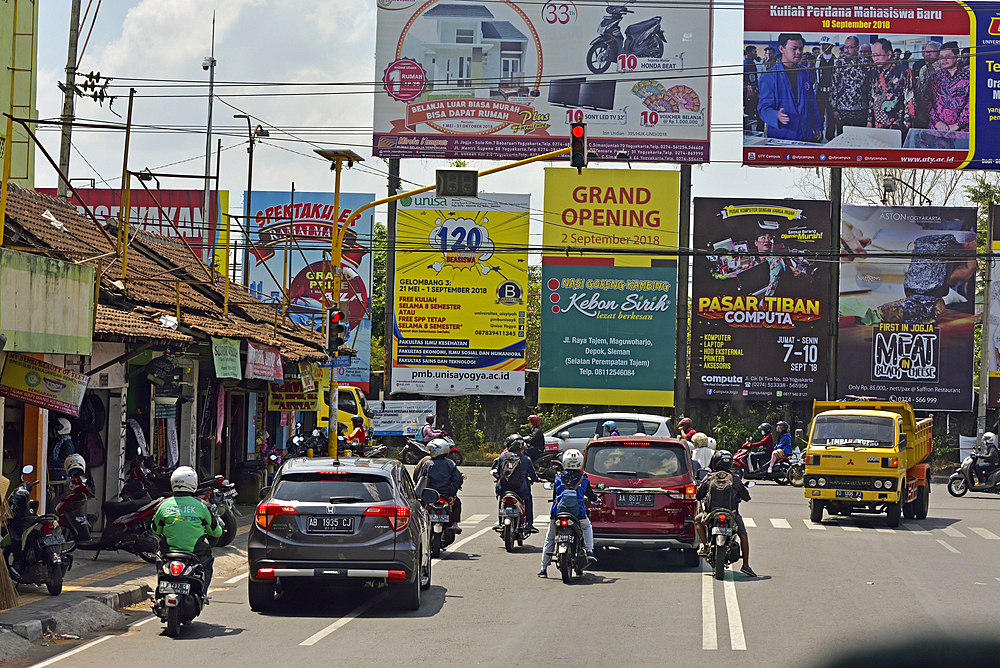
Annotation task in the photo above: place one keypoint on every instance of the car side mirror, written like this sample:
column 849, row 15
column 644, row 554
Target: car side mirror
column 563, row 435
column 264, row 491
column 429, row 496
column 28, row 470
column 701, row 474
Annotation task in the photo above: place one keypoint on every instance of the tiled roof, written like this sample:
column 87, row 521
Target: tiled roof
column 116, row 324
column 502, row 30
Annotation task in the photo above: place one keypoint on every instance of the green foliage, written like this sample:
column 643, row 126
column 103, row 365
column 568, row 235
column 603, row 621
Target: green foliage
column 379, row 245
column 533, row 331
column 463, row 416
column 945, row 451
column 378, row 353
column 730, row 431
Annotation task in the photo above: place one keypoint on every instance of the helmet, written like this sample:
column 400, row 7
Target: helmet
column 699, row 440
column 610, row 424
column 685, row 422
column 183, row 479
column 74, row 463
column 572, row 460
column 989, row 437
column 514, row 443
column 765, row 428
column 64, row 426
column 722, row 460
column 535, row 420
column 357, row 419
column 430, row 419
column 782, row 427
column 711, row 443
column 438, row 447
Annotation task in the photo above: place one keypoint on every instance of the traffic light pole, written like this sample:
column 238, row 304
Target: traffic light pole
column 333, row 420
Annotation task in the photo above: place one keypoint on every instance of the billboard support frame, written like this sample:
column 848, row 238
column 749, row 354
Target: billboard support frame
column 984, row 359
column 683, row 236
column 836, row 191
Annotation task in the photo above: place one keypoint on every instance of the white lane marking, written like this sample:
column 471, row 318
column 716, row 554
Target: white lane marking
column 814, row 525
column 460, row 543
column 847, row 527
column 953, row 532
column 145, row 621
column 749, row 522
column 473, row 520
column 542, row 519
column 66, row 655
column 917, row 529
column 988, row 535
column 779, row 523
column 736, row 638
column 709, row 636
column 886, row 530
column 238, row 578
column 948, row 547
column 319, row 635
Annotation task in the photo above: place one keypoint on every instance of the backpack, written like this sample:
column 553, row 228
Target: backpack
column 511, row 474
column 721, row 493
column 569, row 501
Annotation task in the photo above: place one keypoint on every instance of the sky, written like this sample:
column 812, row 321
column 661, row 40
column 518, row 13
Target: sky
column 296, row 41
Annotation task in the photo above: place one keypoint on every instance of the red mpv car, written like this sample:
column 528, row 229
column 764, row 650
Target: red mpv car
column 648, row 492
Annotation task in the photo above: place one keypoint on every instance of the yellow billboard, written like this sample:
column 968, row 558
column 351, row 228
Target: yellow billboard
column 459, row 300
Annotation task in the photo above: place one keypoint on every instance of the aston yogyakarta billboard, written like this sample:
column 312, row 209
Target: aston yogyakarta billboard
column 897, row 85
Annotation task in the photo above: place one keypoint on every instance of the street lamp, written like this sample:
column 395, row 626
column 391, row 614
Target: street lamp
column 889, row 186
column 253, row 133
column 337, row 157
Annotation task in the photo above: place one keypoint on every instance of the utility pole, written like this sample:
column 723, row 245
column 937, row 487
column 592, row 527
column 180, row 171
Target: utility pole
column 986, row 344
column 69, row 95
column 209, row 64
column 390, row 275
column 683, row 260
column 836, row 184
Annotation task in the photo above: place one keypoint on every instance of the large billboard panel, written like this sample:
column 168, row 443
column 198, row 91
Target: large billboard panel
column 760, row 306
column 907, row 305
column 609, row 287
column 503, row 80
column 843, row 84
column 291, row 232
column 459, row 303
column 185, row 208
column 991, row 339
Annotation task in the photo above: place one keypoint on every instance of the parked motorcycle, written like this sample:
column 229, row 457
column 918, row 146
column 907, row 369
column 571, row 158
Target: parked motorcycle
column 644, row 39
column 180, row 590
column 128, row 526
column 512, row 526
column 370, row 450
column 72, row 509
column 753, row 466
column 964, row 480
column 415, row 450
column 439, row 513
column 797, row 468
column 34, row 547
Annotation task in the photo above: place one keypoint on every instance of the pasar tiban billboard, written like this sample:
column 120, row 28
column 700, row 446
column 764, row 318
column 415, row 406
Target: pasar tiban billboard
column 503, row 80
column 859, row 85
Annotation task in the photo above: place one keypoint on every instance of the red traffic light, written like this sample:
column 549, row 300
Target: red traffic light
column 577, row 131
column 337, row 316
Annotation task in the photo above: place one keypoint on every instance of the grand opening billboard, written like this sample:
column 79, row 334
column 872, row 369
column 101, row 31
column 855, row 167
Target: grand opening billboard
column 503, row 80
column 899, row 85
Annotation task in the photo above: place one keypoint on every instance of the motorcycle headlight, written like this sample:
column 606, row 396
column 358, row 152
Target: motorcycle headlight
column 822, row 482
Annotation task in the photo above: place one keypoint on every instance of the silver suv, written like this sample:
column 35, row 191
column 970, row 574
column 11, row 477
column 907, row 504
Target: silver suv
column 579, row 431
column 340, row 521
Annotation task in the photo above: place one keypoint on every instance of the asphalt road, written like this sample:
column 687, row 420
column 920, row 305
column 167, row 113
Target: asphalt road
column 821, row 590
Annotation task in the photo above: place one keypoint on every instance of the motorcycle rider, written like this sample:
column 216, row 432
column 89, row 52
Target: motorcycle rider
column 767, row 442
column 722, row 462
column 572, row 478
column 610, row 428
column 986, row 464
column 443, row 477
column 429, row 432
column 784, row 447
column 358, row 434
column 515, row 446
column 185, row 522
column 536, row 441
column 686, row 428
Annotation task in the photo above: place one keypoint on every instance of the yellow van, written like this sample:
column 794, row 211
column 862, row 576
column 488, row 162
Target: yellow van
column 351, row 401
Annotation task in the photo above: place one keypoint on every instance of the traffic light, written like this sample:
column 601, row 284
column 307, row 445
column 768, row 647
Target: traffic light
column 578, row 145
column 337, row 330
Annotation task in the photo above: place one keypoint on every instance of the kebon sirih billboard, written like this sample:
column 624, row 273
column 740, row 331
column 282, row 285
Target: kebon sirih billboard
column 760, row 306
column 859, row 85
column 907, row 305
column 459, row 303
column 504, row 79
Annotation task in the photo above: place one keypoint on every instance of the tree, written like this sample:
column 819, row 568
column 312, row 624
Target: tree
column 983, row 191
column 379, row 245
column 865, row 186
column 533, row 329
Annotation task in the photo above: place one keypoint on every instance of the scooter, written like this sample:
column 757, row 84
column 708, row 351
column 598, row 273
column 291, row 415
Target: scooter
column 963, row 480
column 753, row 466
column 569, row 553
column 723, row 541
column 439, row 513
column 71, row 509
column 40, row 554
column 510, row 523
column 180, row 590
column 128, row 527
column 415, row 450
column 644, row 39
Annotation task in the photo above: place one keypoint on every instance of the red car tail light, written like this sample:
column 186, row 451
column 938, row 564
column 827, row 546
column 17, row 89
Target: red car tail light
column 176, row 568
column 397, row 575
column 265, row 574
column 686, row 493
column 266, row 512
column 398, row 516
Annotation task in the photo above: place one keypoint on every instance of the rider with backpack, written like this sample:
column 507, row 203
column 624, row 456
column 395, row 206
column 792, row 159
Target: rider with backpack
column 723, row 490
column 515, row 473
column 572, row 491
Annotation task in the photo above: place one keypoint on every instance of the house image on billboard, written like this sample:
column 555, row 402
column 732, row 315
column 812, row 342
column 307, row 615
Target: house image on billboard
column 472, row 47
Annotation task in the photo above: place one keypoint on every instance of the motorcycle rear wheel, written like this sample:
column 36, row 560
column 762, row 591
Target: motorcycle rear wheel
column 508, row 538
column 54, row 582
column 720, row 561
column 229, row 528
column 173, row 621
column 566, row 567
column 957, row 487
column 457, row 457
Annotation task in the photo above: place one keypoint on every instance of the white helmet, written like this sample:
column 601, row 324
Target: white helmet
column 989, row 437
column 64, row 427
column 184, row 479
column 438, row 447
column 711, row 443
column 75, row 463
column 572, row 460
column 700, row 440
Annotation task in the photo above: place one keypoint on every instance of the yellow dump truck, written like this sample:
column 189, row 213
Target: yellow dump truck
column 868, row 457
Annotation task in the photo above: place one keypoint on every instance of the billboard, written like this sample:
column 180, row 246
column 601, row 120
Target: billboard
column 186, row 208
column 292, row 232
column 608, row 317
column 907, row 305
column 991, row 338
column 503, row 80
column 760, row 305
column 42, row 384
column 843, row 84
column 459, row 299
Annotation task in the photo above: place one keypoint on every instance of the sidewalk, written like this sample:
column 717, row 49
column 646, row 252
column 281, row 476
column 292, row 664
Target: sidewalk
column 94, row 591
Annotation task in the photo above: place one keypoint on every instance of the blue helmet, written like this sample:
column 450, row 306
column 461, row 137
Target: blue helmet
column 610, row 424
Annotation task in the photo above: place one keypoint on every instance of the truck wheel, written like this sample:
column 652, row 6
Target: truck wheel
column 923, row 502
column 816, row 510
column 893, row 514
column 908, row 512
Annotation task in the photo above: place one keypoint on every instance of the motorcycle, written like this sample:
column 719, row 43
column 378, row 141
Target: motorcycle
column 180, row 590
column 415, row 450
column 439, row 513
column 34, row 546
column 644, row 39
column 369, row 450
column 963, row 480
column 723, row 540
column 128, row 526
column 548, row 464
column 71, row 509
column 569, row 553
column 511, row 525
column 797, row 468
column 753, row 466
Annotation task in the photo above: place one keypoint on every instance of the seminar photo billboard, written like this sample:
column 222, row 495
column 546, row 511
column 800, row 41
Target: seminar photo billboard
column 897, row 85
column 760, row 304
column 907, row 305
column 503, row 80
column 459, row 303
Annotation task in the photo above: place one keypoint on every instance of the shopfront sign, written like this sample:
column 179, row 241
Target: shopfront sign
column 42, row 384
column 264, row 363
column 291, row 396
column 226, row 353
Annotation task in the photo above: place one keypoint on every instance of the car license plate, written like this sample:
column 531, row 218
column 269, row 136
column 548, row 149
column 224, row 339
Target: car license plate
column 564, row 539
column 174, row 588
column 510, row 512
column 629, row 499
column 54, row 539
column 847, row 494
column 725, row 531
column 326, row 524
